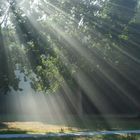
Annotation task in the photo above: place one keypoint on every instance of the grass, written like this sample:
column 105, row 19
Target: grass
column 86, row 124
column 92, row 124
column 33, row 127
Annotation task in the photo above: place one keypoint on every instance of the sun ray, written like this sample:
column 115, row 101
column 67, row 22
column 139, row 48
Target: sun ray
column 86, row 61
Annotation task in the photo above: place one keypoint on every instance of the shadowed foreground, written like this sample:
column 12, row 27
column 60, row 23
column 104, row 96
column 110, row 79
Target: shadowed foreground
column 108, row 135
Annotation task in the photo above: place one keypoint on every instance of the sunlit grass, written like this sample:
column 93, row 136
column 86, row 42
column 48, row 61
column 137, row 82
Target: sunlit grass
column 34, row 127
column 88, row 123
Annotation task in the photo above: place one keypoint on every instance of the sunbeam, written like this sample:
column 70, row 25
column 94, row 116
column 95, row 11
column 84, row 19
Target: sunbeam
column 71, row 65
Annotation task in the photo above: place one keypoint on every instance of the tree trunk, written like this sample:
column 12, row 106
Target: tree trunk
column 79, row 107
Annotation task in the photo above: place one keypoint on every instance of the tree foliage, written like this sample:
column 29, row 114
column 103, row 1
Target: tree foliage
column 56, row 40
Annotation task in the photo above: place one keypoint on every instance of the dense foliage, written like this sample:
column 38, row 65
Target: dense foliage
column 68, row 41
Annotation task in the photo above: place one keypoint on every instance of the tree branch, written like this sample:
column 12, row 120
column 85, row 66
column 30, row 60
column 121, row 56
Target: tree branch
column 5, row 16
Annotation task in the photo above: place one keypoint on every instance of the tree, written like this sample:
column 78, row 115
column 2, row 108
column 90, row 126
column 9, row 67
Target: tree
column 7, row 76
